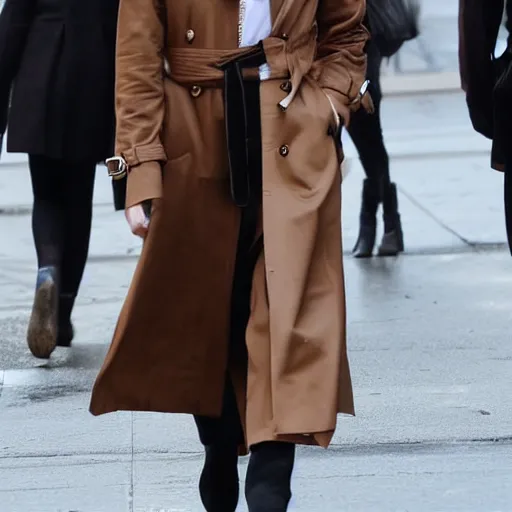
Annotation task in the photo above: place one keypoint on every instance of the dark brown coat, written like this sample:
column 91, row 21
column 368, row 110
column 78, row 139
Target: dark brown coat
column 488, row 83
column 479, row 23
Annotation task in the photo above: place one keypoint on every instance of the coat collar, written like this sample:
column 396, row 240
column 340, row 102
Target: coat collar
column 275, row 7
column 278, row 9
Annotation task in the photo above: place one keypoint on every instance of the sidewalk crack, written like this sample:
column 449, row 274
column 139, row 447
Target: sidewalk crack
column 434, row 217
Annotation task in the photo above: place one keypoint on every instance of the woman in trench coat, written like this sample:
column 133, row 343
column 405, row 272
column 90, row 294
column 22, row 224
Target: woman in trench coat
column 57, row 99
column 228, row 119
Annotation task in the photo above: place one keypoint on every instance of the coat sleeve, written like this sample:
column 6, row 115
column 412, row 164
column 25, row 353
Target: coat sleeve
column 140, row 97
column 15, row 19
column 341, row 59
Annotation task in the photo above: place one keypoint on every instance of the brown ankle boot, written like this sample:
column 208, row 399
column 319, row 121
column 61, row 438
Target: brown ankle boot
column 42, row 327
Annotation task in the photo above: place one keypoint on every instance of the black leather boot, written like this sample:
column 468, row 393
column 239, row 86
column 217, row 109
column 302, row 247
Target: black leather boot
column 42, row 327
column 65, row 330
column 393, row 238
column 367, row 219
column 219, row 484
column 268, row 480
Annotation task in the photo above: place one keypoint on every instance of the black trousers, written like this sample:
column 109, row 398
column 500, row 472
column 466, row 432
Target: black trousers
column 267, row 487
column 365, row 129
column 61, row 216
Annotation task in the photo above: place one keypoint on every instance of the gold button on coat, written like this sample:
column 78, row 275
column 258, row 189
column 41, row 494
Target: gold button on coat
column 195, row 91
column 190, row 35
column 284, row 150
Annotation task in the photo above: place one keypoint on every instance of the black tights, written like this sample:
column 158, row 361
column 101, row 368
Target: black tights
column 61, row 217
column 365, row 129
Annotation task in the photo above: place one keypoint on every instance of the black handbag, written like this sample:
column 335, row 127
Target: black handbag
column 118, row 172
column 119, row 193
column 392, row 23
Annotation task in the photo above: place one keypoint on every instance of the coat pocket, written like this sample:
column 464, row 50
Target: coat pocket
column 178, row 164
column 335, row 121
column 335, row 126
column 326, row 109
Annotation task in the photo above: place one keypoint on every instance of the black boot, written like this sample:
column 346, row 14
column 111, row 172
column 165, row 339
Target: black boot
column 269, row 474
column 367, row 219
column 393, row 238
column 219, row 485
column 42, row 327
column 65, row 330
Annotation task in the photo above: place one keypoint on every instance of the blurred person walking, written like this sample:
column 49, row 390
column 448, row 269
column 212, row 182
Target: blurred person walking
column 228, row 117
column 487, row 81
column 391, row 23
column 57, row 99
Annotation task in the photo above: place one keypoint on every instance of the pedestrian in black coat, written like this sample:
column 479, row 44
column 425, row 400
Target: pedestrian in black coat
column 487, row 81
column 57, row 101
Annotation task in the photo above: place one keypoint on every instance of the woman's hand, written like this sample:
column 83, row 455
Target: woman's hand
column 137, row 220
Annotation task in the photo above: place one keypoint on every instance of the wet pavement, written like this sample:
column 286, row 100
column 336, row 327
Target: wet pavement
column 428, row 337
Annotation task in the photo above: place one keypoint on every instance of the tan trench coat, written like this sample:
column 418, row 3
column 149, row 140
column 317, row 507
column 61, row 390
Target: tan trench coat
column 169, row 351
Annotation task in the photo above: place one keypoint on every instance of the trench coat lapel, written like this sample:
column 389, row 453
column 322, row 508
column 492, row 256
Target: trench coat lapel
column 278, row 10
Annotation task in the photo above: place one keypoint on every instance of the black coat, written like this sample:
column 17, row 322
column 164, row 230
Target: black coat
column 479, row 25
column 58, row 58
column 488, row 83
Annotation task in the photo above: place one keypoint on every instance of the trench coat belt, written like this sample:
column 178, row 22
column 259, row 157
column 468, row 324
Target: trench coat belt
column 230, row 69
column 235, row 73
column 287, row 59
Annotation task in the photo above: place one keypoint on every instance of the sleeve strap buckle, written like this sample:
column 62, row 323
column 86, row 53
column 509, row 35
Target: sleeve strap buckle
column 117, row 167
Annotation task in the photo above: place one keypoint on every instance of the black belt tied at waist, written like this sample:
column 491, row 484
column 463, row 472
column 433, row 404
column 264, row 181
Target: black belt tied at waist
column 233, row 70
column 242, row 140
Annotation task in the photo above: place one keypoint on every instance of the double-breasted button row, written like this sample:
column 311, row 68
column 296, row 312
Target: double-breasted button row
column 286, row 87
column 195, row 90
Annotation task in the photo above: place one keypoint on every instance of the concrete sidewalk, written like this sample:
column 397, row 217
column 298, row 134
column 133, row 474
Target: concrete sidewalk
column 428, row 343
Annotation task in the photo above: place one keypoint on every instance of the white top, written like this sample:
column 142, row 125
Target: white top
column 256, row 25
